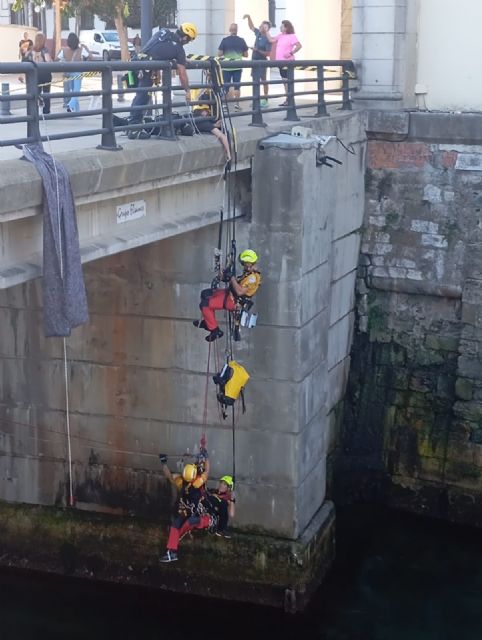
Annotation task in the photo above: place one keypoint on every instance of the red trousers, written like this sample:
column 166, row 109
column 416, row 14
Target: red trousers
column 176, row 533
column 215, row 302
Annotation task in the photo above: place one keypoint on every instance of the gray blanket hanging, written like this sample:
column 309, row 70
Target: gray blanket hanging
column 64, row 296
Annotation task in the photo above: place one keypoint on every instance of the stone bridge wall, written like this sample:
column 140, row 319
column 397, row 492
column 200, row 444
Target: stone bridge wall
column 413, row 422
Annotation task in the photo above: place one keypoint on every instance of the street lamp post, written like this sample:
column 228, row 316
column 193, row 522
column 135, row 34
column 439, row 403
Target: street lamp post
column 146, row 21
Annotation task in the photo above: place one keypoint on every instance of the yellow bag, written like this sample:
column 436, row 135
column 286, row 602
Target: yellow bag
column 231, row 380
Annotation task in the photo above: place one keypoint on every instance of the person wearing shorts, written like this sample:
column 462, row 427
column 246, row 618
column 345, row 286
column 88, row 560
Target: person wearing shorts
column 206, row 123
column 233, row 48
column 287, row 45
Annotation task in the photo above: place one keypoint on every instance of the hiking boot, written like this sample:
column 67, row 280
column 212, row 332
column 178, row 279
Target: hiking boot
column 214, row 335
column 169, row 556
column 200, row 324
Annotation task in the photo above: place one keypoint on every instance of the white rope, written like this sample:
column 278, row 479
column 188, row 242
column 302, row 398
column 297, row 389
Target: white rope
column 64, row 340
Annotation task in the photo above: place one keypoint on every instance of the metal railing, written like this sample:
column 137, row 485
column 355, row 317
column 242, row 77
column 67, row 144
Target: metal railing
column 329, row 82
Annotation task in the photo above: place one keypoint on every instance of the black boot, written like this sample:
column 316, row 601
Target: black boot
column 214, row 335
column 200, row 324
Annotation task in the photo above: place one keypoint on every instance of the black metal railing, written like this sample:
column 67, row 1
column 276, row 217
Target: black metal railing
column 325, row 83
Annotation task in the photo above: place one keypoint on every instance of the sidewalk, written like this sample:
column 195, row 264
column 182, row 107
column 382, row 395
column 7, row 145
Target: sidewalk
column 76, row 125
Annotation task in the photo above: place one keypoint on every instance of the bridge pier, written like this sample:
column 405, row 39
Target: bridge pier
column 137, row 373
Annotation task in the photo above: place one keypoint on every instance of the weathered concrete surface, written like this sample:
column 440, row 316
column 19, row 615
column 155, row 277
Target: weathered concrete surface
column 414, row 415
column 125, row 550
column 180, row 183
column 137, row 371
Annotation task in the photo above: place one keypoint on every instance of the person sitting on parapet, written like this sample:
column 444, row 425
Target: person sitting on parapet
column 219, row 504
column 190, row 513
column 205, row 123
column 239, row 290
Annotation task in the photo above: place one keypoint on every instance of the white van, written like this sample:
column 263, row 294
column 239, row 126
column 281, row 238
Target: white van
column 104, row 45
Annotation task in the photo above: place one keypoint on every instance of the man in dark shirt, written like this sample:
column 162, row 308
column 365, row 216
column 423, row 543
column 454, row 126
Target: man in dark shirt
column 261, row 51
column 24, row 47
column 164, row 45
column 233, row 48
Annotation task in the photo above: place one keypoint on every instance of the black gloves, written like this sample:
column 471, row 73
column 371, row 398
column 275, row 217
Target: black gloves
column 228, row 273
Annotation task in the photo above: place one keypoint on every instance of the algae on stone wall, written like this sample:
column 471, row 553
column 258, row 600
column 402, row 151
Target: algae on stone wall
column 412, row 422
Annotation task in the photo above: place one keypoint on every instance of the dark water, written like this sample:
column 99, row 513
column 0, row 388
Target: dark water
column 396, row 578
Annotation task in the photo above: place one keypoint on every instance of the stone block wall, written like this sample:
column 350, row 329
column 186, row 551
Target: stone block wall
column 413, row 416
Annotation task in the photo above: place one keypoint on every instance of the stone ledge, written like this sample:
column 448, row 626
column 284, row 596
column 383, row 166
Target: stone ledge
column 97, row 247
column 249, row 567
column 94, row 172
column 446, row 128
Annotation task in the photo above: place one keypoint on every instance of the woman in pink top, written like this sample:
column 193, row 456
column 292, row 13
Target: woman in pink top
column 286, row 45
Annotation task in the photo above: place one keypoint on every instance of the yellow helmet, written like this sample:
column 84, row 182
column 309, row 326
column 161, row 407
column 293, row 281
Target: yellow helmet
column 189, row 30
column 189, row 472
column 228, row 480
column 201, row 107
column 248, row 256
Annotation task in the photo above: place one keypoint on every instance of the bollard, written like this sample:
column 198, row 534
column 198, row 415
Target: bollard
column 120, row 86
column 5, row 104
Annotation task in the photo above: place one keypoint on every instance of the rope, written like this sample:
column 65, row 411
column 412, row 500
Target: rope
column 84, row 439
column 64, row 340
column 231, row 202
column 59, row 83
column 233, row 427
column 206, row 392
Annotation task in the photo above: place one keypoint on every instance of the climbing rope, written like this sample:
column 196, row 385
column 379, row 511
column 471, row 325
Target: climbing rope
column 206, row 395
column 64, row 340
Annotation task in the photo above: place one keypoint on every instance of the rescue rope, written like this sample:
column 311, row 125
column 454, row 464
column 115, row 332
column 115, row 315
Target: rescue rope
column 231, row 239
column 206, row 395
column 84, row 439
column 64, row 340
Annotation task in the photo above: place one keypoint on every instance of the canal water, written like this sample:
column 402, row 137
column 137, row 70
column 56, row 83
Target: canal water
column 396, row 577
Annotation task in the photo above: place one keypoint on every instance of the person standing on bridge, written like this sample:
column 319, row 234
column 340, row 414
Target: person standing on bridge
column 233, row 48
column 261, row 51
column 24, row 46
column 164, row 45
column 286, row 46
column 39, row 54
column 73, row 52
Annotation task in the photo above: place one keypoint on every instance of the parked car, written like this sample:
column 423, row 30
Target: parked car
column 103, row 45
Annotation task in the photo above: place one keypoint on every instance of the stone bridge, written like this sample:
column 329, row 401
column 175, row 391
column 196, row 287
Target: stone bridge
column 147, row 218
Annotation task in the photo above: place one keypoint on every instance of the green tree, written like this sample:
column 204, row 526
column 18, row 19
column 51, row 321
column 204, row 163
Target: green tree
column 116, row 10
column 110, row 11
